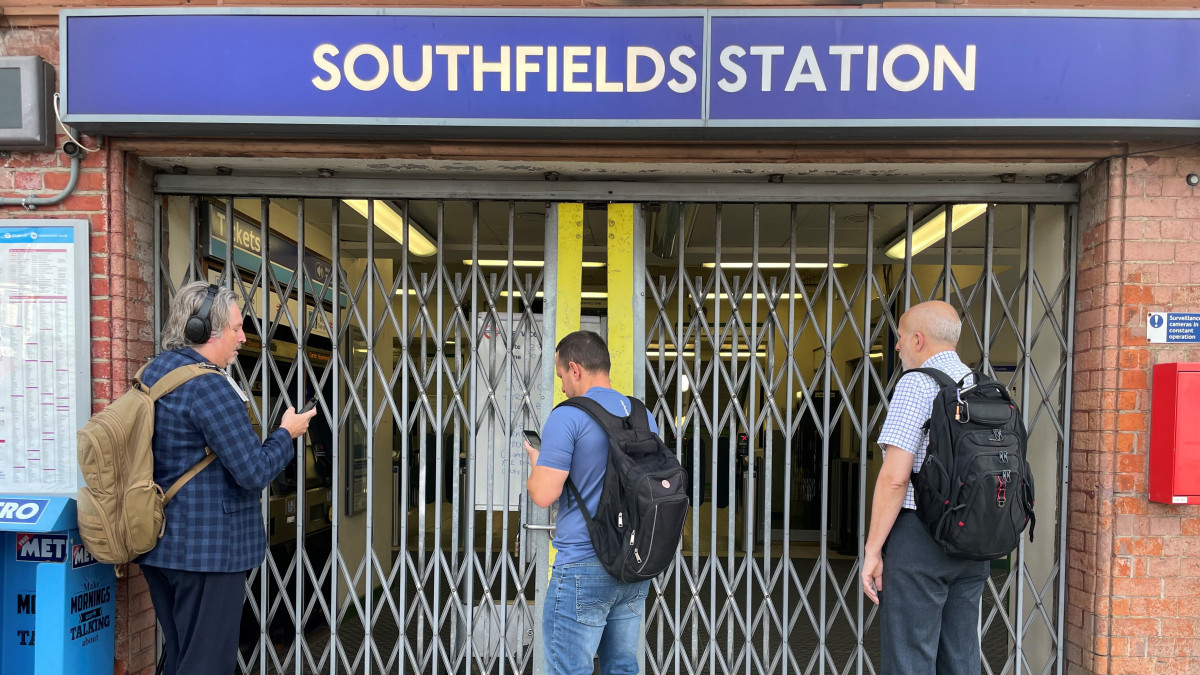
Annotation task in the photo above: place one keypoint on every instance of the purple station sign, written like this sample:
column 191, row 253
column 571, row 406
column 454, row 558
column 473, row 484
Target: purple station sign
column 698, row 70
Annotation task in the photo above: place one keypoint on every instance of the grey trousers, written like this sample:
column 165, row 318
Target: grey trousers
column 929, row 605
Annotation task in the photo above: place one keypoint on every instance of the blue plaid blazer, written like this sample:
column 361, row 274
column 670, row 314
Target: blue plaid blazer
column 215, row 523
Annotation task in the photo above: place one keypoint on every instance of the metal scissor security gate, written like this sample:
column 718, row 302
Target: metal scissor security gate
column 403, row 543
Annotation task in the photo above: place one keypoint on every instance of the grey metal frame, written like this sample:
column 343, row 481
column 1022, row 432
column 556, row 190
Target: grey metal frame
column 731, row 603
column 606, row 191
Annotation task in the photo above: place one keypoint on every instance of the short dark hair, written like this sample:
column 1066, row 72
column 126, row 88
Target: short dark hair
column 585, row 348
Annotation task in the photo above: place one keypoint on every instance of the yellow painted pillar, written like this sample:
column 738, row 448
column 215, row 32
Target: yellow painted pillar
column 569, row 271
column 620, row 296
column 568, row 291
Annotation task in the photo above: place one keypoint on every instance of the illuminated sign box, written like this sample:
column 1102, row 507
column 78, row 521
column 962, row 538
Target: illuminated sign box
column 612, row 73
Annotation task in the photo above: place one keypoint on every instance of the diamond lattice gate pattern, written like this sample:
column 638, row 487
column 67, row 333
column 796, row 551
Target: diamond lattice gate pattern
column 403, row 542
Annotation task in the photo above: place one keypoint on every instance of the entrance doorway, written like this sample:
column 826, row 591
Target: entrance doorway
column 763, row 337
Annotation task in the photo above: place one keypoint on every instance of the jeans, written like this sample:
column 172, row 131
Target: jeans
column 929, row 605
column 589, row 613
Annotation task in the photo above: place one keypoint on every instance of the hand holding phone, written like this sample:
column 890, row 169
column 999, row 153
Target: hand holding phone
column 296, row 421
column 533, row 439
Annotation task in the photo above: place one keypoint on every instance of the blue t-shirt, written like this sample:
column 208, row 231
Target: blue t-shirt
column 572, row 441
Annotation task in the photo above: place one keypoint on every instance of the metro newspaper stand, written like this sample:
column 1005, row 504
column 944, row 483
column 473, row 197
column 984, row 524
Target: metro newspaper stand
column 58, row 601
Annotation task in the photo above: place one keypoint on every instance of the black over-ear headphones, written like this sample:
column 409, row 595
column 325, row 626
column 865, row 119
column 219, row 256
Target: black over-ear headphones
column 199, row 328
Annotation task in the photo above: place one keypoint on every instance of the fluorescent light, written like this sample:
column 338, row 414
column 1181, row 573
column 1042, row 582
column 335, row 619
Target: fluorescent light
column 934, row 229
column 586, row 295
column 393, row 225
column 752, row 296
column 687, row 355
column 506, row 263
column 875, row 355
column 775, row 265
column 520, row 263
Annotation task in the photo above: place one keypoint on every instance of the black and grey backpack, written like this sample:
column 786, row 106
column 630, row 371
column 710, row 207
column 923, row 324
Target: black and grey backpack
column 974, row 492
column 644, row 499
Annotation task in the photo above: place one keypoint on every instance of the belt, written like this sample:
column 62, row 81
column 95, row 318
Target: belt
column 907, row 510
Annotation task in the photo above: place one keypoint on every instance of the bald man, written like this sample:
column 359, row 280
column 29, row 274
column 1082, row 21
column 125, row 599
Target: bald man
column 928, row 601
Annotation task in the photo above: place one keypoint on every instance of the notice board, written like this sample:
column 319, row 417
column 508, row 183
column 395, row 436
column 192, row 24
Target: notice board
column 45, row 352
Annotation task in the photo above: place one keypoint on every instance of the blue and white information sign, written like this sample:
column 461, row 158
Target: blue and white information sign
column 45, row 364
column 19, row 511
column 700, row 69
column 1168, row 327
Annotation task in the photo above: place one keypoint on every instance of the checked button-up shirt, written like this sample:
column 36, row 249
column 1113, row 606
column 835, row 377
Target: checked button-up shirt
column 909, row 408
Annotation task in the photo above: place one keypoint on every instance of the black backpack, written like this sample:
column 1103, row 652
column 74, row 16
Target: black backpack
column 644, row 498
column 974, row 491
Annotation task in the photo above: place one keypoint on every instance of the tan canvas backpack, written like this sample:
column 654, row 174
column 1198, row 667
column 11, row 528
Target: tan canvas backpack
column 120, row 508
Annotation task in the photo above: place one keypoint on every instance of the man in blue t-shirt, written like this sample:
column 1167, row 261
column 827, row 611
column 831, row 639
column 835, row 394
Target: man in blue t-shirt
column 587, row 612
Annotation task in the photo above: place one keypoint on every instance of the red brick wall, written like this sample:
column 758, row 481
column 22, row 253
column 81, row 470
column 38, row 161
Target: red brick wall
column 113, row 195
column 1133, row 566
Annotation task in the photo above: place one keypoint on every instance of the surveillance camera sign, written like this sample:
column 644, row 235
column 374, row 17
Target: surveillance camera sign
column 1172, row 327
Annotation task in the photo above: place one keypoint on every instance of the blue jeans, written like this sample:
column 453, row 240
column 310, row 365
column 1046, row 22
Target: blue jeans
column 588, row 612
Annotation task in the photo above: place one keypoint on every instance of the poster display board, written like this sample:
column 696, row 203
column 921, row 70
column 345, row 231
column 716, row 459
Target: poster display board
column 500, row 464
column 45, row 350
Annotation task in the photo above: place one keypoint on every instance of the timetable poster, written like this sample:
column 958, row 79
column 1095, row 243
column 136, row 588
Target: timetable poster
column 39, row 395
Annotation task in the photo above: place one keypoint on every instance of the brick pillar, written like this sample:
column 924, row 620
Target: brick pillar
column 125, row 288
column 1132, row 567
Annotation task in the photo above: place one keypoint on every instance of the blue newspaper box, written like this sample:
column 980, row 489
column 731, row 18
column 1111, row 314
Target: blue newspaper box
column 59, row 603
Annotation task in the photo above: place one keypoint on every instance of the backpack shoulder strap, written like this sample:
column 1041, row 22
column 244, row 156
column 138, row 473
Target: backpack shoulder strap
column 174, row 379
column 191, row 473
column 938, row 376
column 607, row 421
column 638, row 414
column 165, row 385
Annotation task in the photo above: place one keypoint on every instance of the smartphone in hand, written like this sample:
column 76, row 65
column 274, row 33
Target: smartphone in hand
column 308, row 405
column 533, row 438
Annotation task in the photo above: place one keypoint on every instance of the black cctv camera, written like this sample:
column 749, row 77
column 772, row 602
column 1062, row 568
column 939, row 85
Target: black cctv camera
column 71, row 149
column 1193, row 179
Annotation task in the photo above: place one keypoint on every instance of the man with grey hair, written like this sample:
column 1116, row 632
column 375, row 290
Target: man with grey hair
column 214, row 529
column 928, row 600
